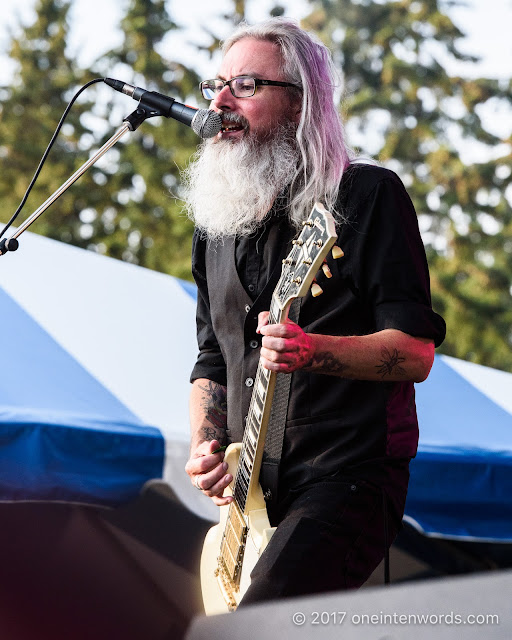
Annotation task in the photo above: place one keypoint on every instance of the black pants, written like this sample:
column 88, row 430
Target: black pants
column 331, row 535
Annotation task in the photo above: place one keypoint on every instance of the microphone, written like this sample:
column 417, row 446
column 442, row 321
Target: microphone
column 204, row 122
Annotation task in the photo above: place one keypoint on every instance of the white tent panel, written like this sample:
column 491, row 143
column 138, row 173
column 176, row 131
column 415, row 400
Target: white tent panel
column 495, row 384
column 130, row 327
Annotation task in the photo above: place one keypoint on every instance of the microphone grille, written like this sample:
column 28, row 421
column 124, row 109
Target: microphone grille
column 206, row 123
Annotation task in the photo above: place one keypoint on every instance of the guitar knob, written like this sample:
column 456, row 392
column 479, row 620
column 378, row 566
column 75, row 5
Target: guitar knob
column 326, row 270
column 316, row 290
column 337, row 252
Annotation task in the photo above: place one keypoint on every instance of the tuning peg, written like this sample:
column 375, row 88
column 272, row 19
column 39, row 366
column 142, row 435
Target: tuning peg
column 326, row 270
column 316, row 290
column 337, row 252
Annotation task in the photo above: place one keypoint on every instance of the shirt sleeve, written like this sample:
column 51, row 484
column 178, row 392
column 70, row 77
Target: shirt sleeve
column 210, row 362
column 393, row 270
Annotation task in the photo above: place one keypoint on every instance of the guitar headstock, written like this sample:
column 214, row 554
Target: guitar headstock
column 306, row 257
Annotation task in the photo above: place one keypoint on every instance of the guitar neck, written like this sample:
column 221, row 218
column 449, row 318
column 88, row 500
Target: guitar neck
column 255, row 432
column 303, row 261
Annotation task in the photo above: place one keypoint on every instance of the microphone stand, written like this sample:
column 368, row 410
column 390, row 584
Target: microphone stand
column 130, row 123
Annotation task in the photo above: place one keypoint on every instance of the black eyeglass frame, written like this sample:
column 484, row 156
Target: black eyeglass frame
column 258, row 82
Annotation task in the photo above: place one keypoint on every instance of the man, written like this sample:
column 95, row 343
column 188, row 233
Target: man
column 355, row 352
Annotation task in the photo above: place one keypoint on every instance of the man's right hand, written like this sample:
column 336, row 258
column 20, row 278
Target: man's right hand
column 207, row 472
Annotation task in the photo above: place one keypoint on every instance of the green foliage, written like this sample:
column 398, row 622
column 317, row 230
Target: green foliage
column 126, row 205
column 143, row 222
column 29, row 112
column 404, row 108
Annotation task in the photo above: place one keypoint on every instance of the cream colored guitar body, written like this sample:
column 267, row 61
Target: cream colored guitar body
column 219, row 595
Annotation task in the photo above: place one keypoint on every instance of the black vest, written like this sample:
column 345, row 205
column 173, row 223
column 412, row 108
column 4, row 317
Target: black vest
column 235, row 318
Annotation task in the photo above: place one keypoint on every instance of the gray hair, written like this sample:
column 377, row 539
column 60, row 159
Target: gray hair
column 320, row 137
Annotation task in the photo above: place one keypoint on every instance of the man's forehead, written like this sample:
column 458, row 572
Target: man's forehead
column 250, row 57
column 251, row 74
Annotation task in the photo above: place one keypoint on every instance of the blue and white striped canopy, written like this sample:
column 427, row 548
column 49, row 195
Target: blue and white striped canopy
column 96, row 358
column 95, row 379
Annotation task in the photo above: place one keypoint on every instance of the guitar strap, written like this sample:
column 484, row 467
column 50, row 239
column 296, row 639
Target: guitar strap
column 276, row 425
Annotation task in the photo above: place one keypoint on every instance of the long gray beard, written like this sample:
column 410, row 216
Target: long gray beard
column 229, row 187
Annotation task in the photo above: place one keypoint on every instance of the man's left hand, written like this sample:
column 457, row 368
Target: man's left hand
column 285, row 347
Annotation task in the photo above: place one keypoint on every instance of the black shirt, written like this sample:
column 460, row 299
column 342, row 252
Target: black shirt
column 382, row 282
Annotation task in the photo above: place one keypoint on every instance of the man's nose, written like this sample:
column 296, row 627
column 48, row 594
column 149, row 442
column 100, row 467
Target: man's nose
column 224, row 100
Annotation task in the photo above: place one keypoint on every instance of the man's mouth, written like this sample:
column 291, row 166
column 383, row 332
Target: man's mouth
column 232, row 123
column 229, row 126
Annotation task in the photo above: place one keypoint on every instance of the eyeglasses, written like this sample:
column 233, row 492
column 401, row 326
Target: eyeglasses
column 240, row 87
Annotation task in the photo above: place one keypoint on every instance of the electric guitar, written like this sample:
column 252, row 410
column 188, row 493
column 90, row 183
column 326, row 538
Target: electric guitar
column 232, row 548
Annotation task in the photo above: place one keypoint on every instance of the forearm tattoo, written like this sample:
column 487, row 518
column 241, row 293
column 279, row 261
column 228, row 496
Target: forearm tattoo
column 326, row 362
column 214, row 404
column 390, row 363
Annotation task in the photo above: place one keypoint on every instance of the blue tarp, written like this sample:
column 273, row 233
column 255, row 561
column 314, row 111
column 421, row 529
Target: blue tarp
column 461, row 479
column 63, row 435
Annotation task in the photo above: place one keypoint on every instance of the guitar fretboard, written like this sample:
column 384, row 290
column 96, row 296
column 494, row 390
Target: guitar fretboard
column 253, row 440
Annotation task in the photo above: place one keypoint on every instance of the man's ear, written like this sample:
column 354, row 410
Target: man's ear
column 296, row 109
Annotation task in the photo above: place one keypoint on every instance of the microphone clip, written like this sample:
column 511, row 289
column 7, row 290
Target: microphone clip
column 141, row 113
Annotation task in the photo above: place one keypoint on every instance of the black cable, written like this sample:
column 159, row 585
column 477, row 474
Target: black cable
column 45, row 155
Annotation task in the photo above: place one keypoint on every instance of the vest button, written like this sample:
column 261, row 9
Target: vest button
column 251, row 287
column 249, row 382
column 247, row 308
column 253, row 344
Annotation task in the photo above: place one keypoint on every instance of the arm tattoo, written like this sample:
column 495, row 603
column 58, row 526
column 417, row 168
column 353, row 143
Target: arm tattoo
column 214, row 404
column 390, row 363
column 326, row 362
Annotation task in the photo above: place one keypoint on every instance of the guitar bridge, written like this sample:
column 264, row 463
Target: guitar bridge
column 227, row 587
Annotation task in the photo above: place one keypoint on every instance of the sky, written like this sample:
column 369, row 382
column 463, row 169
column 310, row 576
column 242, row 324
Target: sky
column 84, row 22
column 487, row 23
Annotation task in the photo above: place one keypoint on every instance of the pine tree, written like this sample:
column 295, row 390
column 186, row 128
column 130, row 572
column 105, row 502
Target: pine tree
column 30, row 109
column 403, row 107
column 144, row 222
column 127, row 205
